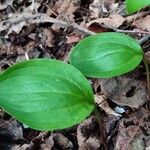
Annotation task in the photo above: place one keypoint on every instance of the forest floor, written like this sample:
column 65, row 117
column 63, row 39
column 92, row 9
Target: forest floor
column 49, row 29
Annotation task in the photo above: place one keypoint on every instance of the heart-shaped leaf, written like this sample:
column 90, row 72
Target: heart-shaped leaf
column 46, row 94
column 106, row 55
column 135, row 5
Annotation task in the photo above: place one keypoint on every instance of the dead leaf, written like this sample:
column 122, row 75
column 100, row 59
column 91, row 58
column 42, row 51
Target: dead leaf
column 11, row 130
column 100, row 8
column 62, row 141
column 47, row 144
column 72, row 39
column 48, row 38
column 87, row 133
column 131, row 132
column 66, row 8
column 124, row 91
column 65, row 11
column 113, row 21
column 143, row 23
column 136, row 16
column 96, row 8
column 21, row 147
column 101, row 100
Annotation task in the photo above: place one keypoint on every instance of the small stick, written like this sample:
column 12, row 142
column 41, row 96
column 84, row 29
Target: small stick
column 144, row 39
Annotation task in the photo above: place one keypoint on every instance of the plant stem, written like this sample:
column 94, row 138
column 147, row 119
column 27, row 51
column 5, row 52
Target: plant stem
column 147, row 74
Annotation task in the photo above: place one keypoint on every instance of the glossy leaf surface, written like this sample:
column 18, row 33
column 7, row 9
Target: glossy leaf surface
column 135, row 5
column 46, row 94
column 106, row 55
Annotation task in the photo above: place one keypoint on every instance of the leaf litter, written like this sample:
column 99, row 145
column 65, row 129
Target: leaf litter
column 37, row 29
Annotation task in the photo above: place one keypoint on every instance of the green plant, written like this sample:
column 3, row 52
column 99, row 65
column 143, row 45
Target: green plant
column 49, row 94
column 46, row 94
column 106, row 55
column 135, row 5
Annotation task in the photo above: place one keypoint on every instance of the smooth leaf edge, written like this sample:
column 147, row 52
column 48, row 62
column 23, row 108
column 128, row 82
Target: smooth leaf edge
column 41, row 129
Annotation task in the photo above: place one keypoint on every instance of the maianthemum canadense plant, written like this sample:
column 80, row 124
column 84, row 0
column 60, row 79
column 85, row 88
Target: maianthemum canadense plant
column 48, row 94
column 135, row 5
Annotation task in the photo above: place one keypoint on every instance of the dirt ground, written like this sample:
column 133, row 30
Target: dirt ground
column 49, row 29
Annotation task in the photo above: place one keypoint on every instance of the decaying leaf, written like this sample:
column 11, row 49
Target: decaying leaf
column 113, row 21
column 143, row 23
column 132, row 134
column 62, row 141
column 65, row 11
column 102, row 103
column 87, row 132
column 47, row 144
column 47, row 38
column 72, row 39
column 96, row 8
column 124, row 91
column 11, row 130
column 101, row 8
column 66, row 8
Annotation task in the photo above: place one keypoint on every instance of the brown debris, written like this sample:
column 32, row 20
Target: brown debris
column 124, row 91
column 143, row 23
column 87, row 133
column 131, row 134
column 113, row 21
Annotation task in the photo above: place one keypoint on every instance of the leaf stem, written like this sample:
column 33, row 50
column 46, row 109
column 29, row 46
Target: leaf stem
column 147, row 74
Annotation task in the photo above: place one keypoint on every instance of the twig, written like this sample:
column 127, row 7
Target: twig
column 144, row 39
column 131, row 31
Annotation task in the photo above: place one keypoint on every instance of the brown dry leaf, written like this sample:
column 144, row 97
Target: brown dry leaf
column 124, row 91
column 65, row 10
column 143, row 23
column 102, row 103
column 87, row 133
column 113, row 21
column 136, row 16
column 48, row 38
column 72, row 39
column 11, row 130
column 132, row 134
column 47, row 144
column 62, row 141
column 100, row 8
column 96, row 8
column 21, row 147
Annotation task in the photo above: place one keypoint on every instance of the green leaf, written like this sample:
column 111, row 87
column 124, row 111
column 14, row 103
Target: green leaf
column 46, row 94
column 106, row 55
column 135, row 5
